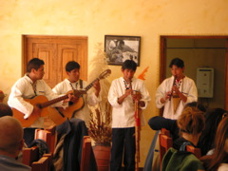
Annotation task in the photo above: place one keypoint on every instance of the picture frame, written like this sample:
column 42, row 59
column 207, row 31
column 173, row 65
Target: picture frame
column 120, row 48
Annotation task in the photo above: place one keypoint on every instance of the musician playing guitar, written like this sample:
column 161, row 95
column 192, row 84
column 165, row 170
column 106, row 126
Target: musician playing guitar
column 73, row 82
column 77, row 112
column 32, row 85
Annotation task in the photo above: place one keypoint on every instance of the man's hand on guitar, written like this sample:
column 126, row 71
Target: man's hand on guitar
column 74, row 99
column 71, row 98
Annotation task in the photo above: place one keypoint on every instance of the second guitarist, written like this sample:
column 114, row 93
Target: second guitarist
column 73, row 82
column 79, row 104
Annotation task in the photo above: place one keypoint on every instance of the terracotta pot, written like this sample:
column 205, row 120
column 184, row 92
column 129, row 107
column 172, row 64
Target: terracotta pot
column 102, row 156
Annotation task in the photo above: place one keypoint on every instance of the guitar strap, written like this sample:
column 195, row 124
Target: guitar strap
column 34, row 88
column 81, row 84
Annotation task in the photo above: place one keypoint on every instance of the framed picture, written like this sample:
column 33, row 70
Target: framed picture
column 120, row 48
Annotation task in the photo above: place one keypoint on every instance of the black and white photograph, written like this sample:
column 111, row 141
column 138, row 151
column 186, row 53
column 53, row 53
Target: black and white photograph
column 120, row 48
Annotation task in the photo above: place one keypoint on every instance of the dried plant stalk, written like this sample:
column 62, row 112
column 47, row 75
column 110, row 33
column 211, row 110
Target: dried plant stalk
column 100, row 124
column 100, row 115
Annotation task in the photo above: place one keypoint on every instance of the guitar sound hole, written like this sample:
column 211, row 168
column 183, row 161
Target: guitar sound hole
column 71, row 103
column 39, row 106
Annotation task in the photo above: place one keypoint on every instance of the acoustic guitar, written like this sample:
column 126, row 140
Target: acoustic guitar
column 69, row 111
column 43, row 103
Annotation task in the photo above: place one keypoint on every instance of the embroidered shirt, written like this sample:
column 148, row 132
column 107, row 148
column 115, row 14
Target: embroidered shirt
column 123, row 114
column 187, row 87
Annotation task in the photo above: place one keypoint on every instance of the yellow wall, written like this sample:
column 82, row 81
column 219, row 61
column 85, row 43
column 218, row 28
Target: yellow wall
column 96, row 18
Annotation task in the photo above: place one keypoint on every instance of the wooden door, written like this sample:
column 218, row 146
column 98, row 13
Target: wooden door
column 56, row 51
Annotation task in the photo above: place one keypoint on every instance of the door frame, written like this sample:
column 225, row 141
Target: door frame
column 163, row 45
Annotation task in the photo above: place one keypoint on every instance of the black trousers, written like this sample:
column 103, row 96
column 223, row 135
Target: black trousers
column 29, row 134
column 123, row 148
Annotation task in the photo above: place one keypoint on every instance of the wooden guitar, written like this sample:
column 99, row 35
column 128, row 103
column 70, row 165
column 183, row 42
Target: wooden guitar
column 69, row 111
column 43, row 103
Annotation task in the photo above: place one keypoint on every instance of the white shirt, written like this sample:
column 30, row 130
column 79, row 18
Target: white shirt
column 90, row 99
column 123, row 114
column 23, row 89
column 188, row 88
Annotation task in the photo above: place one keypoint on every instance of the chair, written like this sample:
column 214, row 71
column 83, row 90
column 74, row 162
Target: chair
column 48, row 135
column 193, row 150
column 165, row 132
column 86, row 154
column 30, row 155
column 165, row 142
column 43, row 164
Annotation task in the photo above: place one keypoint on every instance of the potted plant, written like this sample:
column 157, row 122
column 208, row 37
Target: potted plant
column 100, row 124
column 100, row 114
column 100, row 132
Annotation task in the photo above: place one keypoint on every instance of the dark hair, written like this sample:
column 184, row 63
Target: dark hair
column 72, row 65
column 129, row 64
column 5, row 110
column 34, row 63
column 178, row 62
column 196, row 104
column 212, row 120
column 220, row 155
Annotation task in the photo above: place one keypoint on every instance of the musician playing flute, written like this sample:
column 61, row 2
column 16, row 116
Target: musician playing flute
column 176, row 91
column 122, row 98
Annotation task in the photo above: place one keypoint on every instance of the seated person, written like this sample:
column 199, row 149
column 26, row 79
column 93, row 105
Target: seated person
column 206, row 142
column 2, row 96
column 219, row 159
column 158, row 122
column 73, row 82
column 74, row 130
column 190, row 123
column 212, row 120
column 11, row 144
column 5, row 110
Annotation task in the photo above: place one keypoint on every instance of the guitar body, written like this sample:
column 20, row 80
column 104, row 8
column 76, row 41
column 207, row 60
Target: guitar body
column 55, row 116
column 70, row 110
column 24, row 122
column 50, row 112
column 45, row 112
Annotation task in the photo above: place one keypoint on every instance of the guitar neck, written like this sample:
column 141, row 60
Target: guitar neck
column 90, row 85
column 51, row 102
